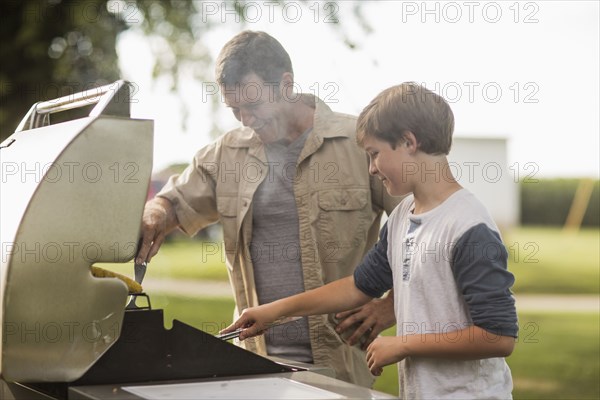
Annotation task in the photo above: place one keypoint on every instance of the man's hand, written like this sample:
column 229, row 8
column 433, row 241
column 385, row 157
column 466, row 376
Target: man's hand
column 372, row 318
column 158, row 220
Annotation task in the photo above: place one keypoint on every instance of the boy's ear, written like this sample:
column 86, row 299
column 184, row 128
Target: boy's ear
column 410, row 140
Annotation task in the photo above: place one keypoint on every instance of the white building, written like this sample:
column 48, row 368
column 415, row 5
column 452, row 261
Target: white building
column 481, row 166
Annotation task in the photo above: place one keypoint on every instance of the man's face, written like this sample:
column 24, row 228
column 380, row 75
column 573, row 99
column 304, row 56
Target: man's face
column 258, row 105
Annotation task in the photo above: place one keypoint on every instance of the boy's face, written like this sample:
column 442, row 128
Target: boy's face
column 388, row 164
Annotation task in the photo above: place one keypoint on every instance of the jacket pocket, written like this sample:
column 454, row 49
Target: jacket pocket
column 343, row 200
column 344, row 217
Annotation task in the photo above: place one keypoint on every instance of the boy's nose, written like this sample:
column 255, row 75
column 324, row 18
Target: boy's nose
column 372, row 168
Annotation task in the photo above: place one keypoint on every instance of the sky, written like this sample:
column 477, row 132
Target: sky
column 526, row 71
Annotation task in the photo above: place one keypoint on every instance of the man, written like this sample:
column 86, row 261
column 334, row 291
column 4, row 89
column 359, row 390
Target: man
column 292, row 191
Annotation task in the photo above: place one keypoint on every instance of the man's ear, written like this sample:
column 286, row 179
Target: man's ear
column 286, row 86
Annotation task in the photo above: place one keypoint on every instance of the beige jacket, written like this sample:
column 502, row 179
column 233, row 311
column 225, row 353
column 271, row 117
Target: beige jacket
column 339, row 209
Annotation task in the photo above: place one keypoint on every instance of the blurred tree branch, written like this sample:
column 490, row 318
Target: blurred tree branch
column 53, row 48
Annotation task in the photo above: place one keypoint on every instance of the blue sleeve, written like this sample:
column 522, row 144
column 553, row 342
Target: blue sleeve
column 373, row 276
column 479, row 264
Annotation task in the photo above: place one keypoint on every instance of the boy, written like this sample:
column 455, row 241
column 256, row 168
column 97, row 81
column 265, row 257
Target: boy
column 456, row 318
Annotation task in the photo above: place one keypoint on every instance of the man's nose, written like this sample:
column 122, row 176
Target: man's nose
column 246, row 117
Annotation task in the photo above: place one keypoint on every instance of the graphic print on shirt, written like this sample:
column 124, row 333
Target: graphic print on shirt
column 409, row 249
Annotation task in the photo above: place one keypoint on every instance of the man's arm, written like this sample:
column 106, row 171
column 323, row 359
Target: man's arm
column 159, row 219
column 187, row 201
column 333, row 297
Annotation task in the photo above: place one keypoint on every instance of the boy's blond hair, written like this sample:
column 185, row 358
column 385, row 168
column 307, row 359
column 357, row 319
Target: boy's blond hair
column 408, row 107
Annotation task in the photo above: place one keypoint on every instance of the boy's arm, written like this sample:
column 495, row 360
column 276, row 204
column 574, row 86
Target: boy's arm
column 472, row 343
column 334, row 297
column 480, row 268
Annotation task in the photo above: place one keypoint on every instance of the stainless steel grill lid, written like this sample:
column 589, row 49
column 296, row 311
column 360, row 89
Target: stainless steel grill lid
column 72, row 195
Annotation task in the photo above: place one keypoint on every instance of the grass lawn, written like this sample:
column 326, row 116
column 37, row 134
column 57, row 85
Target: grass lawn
column 183, row 259
column 557, row 356
column 549, row 260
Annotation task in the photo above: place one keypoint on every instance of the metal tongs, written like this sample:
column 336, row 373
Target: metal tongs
column 235, row 334
column 139, row 271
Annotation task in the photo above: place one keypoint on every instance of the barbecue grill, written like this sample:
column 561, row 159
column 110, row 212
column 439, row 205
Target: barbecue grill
column 72, row 195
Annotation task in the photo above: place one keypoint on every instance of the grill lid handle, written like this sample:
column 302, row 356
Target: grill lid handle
column 112, row 99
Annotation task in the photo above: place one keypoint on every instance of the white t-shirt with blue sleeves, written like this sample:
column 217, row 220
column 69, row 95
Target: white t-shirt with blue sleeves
column 448, row 268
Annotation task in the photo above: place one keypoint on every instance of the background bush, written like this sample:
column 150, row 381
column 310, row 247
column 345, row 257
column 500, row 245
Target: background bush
column 548, row 201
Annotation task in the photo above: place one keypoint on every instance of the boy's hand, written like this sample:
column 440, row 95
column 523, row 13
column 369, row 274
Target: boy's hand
column 384, row 350
column 254, row 321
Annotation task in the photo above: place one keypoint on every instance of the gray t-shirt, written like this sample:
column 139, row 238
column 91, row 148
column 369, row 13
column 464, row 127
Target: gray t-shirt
column 275, row 247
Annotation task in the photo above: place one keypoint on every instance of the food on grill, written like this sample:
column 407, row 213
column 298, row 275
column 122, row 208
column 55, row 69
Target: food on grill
column 132, row 285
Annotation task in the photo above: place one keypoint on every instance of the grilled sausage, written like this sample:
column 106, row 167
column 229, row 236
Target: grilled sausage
column 132, row 285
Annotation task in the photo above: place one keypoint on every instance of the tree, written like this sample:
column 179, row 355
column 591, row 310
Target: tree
column 53, row 48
